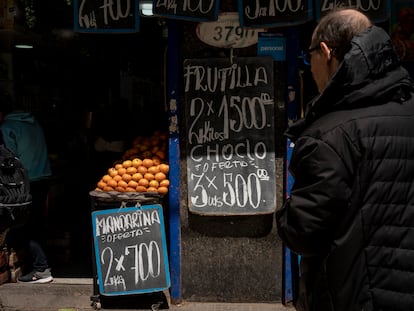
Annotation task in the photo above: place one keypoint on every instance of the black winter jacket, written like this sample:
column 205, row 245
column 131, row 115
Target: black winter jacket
column 351, row 211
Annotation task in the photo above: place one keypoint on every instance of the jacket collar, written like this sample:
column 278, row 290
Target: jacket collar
column 369, row 74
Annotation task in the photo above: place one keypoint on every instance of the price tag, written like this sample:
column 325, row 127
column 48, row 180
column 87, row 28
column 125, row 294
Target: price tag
column 118, row 16
column 226, row 32
column 130, row 250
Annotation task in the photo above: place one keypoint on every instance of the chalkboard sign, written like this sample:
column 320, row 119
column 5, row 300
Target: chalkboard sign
column 265, row 13
column 97, row 16
column 229, row 111
column 130, row 250
column 194, row 10
column 376, row 10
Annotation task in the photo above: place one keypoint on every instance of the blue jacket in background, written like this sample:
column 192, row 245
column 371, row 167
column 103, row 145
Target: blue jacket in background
column 24, row 136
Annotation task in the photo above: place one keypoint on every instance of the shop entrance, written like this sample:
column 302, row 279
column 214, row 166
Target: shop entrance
column 90, row 92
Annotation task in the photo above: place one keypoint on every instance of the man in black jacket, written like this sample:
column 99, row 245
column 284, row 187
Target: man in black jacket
column 350, row 214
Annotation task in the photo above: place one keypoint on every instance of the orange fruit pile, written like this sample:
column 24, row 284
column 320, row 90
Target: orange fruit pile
column 150, row 147
column 136, row 175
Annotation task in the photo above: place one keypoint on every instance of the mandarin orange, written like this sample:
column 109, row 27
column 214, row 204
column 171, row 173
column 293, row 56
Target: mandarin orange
column 112, row 172
column 156, row 160
column 160, row 176
column 165, row 168
column 106, row 177
column 162, row 190
column 127, row 163
column 117, row 178
column 154, row 169
column 127, row 177
column 164, row 183
column 141, row 189
column 131, row 170
column 122, row 183
column 142, row 169
column 153, row 183
column 136, row 162
column 132, row 184
column 147, row 162
column 143, row 182
column 112, row 183
column 149, row 176
column 137, row 176
column 122, row 171
column 101, row 184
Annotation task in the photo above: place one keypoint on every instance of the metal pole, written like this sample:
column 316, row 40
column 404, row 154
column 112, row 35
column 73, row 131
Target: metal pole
column 174, row 161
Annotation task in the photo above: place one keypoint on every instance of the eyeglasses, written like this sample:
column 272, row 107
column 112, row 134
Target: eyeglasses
column 306, row 56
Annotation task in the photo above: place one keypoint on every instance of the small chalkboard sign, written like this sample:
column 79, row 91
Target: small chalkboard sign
column 376, row 10
column 229, row 107
column 130, row 250
column 265, row 13
column 118, row 16
column 193, row 10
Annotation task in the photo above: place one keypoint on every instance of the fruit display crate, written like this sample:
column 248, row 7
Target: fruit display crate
column 113, row 199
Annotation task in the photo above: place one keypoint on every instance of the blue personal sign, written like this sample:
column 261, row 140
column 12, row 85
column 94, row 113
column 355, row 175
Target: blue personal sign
column 271, row 44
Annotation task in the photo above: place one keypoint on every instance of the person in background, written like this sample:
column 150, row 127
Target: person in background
column 402, row 34
column 23, row 136
column 350, row 214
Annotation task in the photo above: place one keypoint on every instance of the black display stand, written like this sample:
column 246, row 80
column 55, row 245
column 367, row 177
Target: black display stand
column 106, row 203
column 14, row 215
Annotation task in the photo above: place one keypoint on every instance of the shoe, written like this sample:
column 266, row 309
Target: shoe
column 37, row 277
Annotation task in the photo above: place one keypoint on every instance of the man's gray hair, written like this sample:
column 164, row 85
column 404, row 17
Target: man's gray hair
column 338, row 27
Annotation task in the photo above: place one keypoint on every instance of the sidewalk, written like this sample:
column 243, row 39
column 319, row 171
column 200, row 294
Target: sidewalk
column 75, row 294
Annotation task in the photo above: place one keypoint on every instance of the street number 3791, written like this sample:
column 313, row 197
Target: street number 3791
column 226, row 32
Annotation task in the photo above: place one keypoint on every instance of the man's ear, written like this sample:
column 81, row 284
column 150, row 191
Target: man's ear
column 326, row 51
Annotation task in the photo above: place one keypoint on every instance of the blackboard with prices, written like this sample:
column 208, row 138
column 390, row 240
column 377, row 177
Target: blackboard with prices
column 230, row 142
column 130, row 250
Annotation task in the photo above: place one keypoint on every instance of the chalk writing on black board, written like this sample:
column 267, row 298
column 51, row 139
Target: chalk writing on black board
column 130, row 250
column 200, row 10
column 106, row 15
column 230, row 140
column 376, row 9
column 256, row 13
